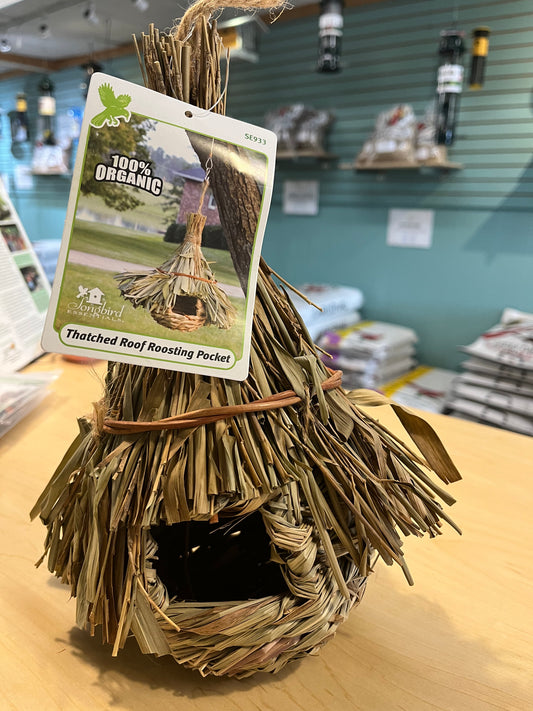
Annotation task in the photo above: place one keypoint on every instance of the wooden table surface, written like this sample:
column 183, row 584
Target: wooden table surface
column 461, row 638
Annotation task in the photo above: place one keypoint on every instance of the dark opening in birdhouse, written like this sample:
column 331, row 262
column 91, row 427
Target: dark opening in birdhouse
column 203, row 562
column 188, row 306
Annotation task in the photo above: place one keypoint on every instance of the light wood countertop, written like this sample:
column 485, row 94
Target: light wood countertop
column 460, row 639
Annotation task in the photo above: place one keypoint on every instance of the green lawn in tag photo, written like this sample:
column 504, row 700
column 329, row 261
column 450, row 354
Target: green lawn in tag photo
column 149, row 215
column 137, row 248
column 137, row 321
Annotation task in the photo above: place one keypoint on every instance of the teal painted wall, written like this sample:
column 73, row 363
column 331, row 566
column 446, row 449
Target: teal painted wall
column 482, row 254
column 42, row 209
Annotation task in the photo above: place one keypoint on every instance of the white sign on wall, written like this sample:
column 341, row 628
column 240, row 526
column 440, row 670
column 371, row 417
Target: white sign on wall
column 410, row 228
column 300, row 197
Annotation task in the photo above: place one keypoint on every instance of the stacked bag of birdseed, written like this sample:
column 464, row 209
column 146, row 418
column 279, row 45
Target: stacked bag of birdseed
column 370, row 353
column 496, row 387
column 329, row 306
column 424, row 388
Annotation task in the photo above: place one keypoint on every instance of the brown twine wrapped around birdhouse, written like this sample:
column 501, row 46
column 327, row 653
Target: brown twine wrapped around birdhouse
column 239, row 542
column 197, row 418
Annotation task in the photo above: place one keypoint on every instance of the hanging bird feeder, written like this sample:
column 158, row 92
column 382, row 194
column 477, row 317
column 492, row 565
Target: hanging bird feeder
column 449, row 84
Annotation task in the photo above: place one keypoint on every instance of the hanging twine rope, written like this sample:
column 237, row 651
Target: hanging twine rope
column 206, row 9
column 205, row 184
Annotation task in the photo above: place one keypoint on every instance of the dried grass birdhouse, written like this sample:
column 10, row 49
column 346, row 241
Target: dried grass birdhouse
column 182, row 294
column 233, row 525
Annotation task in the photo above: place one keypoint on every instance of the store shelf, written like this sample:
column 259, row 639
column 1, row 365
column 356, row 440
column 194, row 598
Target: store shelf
column 305, row 155
column 53, row 174
column 393, row 165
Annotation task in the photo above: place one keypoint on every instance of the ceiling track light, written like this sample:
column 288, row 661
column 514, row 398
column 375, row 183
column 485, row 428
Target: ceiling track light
column 90, row 14
column 141, row 5
column 5, row 45
column 44, row 30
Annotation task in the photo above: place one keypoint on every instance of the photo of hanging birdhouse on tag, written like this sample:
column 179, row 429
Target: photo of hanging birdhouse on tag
column 182, row 294
column 146, row 232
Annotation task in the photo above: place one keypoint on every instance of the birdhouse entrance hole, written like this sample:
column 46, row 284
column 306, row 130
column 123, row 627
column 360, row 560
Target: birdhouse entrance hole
column 203, row 562
column 188, row 306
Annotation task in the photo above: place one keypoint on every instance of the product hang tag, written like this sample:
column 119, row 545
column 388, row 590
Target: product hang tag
column 165, row 222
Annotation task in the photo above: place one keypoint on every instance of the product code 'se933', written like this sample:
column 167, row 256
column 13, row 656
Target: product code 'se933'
column 255, row 139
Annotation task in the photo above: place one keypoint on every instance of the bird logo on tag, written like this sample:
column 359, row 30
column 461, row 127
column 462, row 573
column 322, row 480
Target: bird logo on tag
column 115, row 107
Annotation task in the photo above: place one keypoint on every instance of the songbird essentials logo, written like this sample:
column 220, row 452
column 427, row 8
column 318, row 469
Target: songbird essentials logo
column 91, row 302
column 115, row 107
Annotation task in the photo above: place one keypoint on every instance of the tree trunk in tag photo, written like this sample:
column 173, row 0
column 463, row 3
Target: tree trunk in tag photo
column 237, row 195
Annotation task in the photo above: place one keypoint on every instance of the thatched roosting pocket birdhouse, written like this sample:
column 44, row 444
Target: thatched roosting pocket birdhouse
column 230, row 524
column 182, row 294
